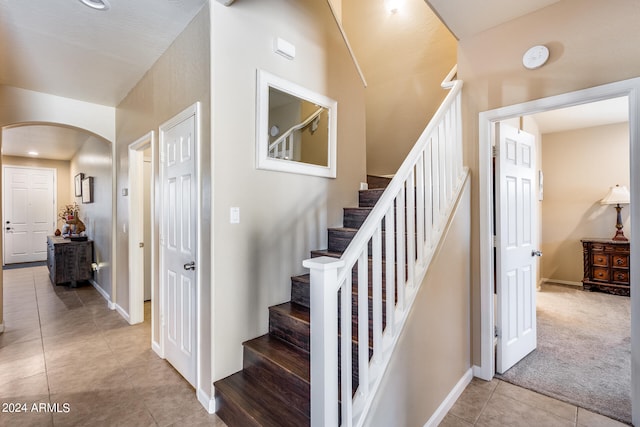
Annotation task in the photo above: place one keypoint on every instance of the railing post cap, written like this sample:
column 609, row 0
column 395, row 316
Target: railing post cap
column 323, row 263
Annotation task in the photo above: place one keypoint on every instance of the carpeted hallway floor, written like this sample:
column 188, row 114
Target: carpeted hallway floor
column 584, row 351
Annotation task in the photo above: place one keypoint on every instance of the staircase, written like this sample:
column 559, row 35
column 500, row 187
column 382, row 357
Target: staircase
column 273, row 387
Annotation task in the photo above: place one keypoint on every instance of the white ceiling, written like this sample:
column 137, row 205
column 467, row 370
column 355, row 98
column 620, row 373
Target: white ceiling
column 64, row 48
column 468, row 17
column 583, row 116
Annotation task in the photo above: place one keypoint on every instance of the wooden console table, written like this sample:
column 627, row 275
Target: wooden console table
column 606, row 266
column 69, row 261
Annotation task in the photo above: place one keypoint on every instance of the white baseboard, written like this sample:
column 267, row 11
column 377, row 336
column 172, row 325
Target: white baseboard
column 122, row 312
column 206, row 401
column 450, row 400
column 562, row 282
column 104, row 294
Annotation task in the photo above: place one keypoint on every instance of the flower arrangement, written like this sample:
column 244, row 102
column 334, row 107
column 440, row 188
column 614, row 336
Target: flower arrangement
column 68, row 213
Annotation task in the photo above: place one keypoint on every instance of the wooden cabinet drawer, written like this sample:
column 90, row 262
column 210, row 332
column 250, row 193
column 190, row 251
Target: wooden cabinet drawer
column 621, row 261
column 620, row 276
column 601, row 274
column 600, row 259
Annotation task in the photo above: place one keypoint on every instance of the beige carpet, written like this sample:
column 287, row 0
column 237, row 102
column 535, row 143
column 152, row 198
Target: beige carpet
column 584, row 351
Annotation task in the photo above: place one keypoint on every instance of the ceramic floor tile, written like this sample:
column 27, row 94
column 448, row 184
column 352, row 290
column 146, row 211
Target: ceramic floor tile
column 591, row 419
column 25, row 389
column 17, row 334
column 27, row 419
column 102, row 408
column 73, row 353
column 204, row 419
column 453, row 421
column 473, row 400
column 20, row 350
column 22, row 368
column 554, row 406
column 90, row 376
column 170, row 403
column 504, row 411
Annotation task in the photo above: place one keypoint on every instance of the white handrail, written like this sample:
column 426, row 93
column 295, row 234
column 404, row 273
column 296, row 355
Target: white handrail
column 277, row 146
column 427, row 183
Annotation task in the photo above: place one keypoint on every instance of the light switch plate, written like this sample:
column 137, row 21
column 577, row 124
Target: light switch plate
column 234, row 215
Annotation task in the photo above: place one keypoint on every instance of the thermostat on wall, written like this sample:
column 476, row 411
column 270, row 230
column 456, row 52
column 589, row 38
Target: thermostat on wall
column 535, row 57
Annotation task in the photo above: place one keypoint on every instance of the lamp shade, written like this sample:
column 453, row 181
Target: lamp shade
column 617, row 196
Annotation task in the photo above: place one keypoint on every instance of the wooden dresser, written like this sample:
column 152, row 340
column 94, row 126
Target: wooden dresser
column 606, row 266
column 69, row 261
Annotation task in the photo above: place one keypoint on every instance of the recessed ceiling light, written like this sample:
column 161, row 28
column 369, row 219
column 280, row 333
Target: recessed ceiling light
column 33, row 153
column 97, row 4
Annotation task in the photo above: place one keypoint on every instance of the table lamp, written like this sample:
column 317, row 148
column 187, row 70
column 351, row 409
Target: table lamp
column 617, row 196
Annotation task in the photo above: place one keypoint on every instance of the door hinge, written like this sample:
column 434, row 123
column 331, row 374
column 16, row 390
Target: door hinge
column 496, row 332
column 494, row 151
column 495, row 241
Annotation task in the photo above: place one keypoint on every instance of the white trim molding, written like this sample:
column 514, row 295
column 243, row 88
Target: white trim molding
column 450, row 400
column 207, row 401
column 629, row 88
column 105, row 295
column 561, row 282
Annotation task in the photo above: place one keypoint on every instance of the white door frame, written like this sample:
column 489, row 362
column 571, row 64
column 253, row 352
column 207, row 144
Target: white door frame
column 136, row 229
column 193, row 110
column 4, row 195
column 630, row 88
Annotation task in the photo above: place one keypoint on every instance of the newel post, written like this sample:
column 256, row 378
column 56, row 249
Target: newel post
column 324, row 339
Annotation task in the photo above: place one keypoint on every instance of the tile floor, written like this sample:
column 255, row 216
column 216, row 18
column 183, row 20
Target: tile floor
column 64, row 346
column 498, row 403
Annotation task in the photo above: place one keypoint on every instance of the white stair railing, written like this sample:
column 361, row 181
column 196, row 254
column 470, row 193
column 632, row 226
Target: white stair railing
column 416, row 204
column 283, row 147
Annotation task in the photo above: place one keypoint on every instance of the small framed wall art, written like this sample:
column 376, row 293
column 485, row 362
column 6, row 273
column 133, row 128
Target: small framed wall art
column 78, row 184
column 87, row 190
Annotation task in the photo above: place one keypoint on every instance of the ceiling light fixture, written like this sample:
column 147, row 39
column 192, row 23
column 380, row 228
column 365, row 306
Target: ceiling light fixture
column 393, row 6
column 33, row 153
column 97, row 4
column 535, row 57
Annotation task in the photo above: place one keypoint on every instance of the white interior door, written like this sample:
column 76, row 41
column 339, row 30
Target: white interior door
column 178, row 246
column 516, row 250
column 29, row 213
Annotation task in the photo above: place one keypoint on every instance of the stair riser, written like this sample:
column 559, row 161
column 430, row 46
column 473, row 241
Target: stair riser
column 290, row 387
column 368, row 198
column 289, row 329
column 353, row 217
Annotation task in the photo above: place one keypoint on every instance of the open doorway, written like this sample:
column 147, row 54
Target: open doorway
column 486, row 368
column 583, row 151
column 141, row 238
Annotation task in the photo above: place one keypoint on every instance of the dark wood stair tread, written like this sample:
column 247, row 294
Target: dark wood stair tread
column 289, row 357
column 248, row 402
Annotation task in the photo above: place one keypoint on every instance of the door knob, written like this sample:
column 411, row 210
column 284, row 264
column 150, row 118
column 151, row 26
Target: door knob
column 536, row 253
column 190, row 266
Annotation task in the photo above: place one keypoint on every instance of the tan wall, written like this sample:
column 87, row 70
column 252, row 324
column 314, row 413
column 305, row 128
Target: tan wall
column 93, row 159
column 64, row 181
column 579, row 168
column 177, row 80
column 433, row 351
column 591, row 43
column 404, row 58
column 282, row 215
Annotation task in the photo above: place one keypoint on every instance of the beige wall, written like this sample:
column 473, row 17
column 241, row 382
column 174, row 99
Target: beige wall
column 433, row 351
column 579, row 168
column 177, row 80
column 93, row 159
column 404, row 58
column 591, row 43
column 63, row 175
column 282, row 215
